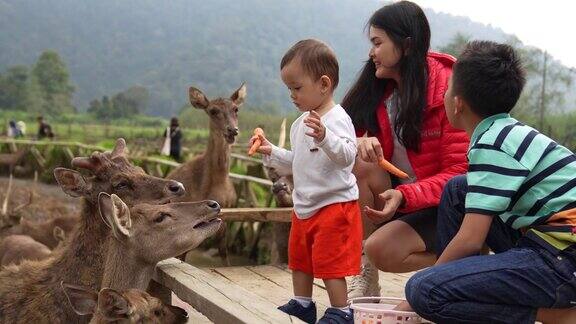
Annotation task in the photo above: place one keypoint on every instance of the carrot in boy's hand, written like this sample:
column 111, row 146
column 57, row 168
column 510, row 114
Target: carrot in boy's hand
column 258, row 132
column 392, row 169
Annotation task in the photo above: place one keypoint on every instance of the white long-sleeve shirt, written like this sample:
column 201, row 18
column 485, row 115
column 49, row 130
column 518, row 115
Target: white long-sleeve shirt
column 322, row 170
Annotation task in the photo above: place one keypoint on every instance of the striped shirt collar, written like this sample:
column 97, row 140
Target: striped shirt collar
column 484, row 125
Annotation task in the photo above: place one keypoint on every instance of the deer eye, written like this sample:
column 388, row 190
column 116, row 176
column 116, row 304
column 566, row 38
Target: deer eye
column 161, row 217
column 236, row 109
column 122, row 185
column 214, row 112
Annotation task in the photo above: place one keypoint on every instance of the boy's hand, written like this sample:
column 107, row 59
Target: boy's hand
column 392, row 199
column 265, row 147
column 318, row 130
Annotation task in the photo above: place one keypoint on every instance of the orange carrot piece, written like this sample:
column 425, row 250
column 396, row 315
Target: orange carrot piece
column 257, row 133
column 392, row 169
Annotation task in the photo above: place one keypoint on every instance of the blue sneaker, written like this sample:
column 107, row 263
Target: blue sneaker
column 307, row 314
column 336, row 316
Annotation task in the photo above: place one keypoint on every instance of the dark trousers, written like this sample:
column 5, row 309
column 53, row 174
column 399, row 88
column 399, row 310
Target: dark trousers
column 506, row 287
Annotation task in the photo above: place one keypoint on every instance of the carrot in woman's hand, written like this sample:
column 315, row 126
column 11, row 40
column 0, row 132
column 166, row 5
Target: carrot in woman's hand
column 257, row 142
column 392, row 169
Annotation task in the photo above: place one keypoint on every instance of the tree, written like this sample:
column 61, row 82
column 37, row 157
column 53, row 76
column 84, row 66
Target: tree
column 54, row 81
column 456, row 45
column 19, row 90
column 547, row 83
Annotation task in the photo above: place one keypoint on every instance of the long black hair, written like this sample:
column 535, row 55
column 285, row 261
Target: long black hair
column 406, row 25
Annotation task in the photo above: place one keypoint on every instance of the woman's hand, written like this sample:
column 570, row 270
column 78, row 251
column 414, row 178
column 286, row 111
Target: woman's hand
column 393, row 199
column 369, row 149
column 403, row 307
column 265, row 147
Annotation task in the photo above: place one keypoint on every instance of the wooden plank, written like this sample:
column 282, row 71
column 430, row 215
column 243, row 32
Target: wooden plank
column 194, row 316
column 256, row 214
column 242, row 157
column 241, row 177
column 218, row 298
column 68, row 153
column 255, row 283
column 38, row 156
column 284, row 279
column 391, row 284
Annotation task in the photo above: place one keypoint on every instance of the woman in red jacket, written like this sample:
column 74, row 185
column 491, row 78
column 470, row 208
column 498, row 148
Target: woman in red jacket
column 397, row 106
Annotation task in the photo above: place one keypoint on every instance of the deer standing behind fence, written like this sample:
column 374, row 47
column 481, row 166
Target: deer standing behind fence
column 206, row 175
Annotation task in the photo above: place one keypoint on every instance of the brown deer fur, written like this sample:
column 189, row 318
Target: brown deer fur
column 43, row 232
column 31, row 292
column 206, row 176
column 16, row 248
column 122, row 307
column 145, row 234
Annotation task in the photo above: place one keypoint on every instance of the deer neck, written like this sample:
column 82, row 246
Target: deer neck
column 217, row 157
column 82, row 262
column 125, row 270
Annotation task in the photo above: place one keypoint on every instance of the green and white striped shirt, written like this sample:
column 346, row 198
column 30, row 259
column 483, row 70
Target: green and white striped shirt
column 520, row 175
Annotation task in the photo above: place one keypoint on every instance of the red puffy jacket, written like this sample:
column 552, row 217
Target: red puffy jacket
column 443, row 148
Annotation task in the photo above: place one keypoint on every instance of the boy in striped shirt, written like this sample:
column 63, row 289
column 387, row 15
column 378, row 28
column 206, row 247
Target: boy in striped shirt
column 518, row 197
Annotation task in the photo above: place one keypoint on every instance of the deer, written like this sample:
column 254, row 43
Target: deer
column 31, row 292
column 14, row 249
column 122, row 307
column 145, row 234
column 142, row 236
column 11, row 216
column 206, row 176
column 44, row 231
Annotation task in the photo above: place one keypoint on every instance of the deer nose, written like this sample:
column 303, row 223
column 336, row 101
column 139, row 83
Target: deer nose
column 233, row 130
column 176, row 188
column 213, row 205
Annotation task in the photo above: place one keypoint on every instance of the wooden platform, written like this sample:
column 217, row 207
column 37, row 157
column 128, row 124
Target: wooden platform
column 248, row 294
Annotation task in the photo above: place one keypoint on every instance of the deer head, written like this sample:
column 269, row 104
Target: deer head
column 158, row 232
column 8, row 216
column 111, row 172
column 130, row 306
column 281, row 188
column 223, row 112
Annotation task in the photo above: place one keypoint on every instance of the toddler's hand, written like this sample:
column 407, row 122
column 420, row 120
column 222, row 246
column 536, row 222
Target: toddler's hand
column 318, row 130
column 265, row 147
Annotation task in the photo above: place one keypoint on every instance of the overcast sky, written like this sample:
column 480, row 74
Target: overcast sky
column 549, row 24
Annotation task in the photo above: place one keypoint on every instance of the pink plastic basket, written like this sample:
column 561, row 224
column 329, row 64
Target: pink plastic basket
column 379, row 310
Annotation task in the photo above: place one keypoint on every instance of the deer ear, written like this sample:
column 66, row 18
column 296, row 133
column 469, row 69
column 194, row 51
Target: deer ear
column 238, row 96
column 121, row 221
column 198, row 99
column 72, row 182
column 112, row 305
column 59, row 234
column 116, row 214
column 82, row 299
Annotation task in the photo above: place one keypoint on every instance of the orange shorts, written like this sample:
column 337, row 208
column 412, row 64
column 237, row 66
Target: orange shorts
column 327, row 245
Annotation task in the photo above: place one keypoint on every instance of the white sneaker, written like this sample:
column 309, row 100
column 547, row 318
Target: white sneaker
column 366, row 283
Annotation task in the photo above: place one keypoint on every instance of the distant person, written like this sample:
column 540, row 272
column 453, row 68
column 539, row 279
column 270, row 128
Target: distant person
column 44, row 129
column 21, row 127
column 172, row 143
column 13, row 130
